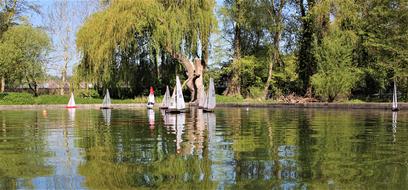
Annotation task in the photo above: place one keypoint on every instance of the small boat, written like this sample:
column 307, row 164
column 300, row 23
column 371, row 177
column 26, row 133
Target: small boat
column 166, row 99
column 106, row 104
column 202, row 99
column 210, row 99
column 177, row 104
column 394, row 99
column 150, row 99
column 71, row 103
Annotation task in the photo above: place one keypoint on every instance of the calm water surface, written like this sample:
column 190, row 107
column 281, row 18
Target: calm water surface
column 232, row 148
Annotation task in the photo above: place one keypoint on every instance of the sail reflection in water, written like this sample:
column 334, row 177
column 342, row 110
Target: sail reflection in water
column 107, row 115
column 71, row 115
column 150, row 115
column 176, row 122
column 394, row 125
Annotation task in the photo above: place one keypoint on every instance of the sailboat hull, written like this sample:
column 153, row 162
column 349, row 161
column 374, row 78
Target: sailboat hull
column 170, row 110
column 208, row 110
column 105, row 108
column 163, row 107
column 71, row 106
column 395, row 109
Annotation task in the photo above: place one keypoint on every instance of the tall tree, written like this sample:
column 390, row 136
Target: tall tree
column 62, row 20
column 306, row 60
column 275, row 27
column 234, row 10
column 23, row 51
column 384, row 41
column 115, row 37
column 10, row 11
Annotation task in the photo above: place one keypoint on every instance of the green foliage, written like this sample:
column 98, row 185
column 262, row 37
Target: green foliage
column 13, row 98
column 23, row 51
column 336, row 74
column 229, row 99
column 16, row 99
column 121, row 44
column 87, row 93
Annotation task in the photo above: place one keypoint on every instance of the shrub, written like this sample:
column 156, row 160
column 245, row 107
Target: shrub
column 336, row 75
column 13, row 98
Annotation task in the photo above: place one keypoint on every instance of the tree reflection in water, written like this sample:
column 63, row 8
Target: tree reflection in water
column 229, row 149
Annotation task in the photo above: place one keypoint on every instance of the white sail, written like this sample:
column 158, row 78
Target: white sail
column 106, row 100
column 203, row 96
column 180, row 104
column 166, row 98
column 210, row 104
column 172, row 103
column 177, row 100
column 150, row 99
column 71, row 102
column 394, row 98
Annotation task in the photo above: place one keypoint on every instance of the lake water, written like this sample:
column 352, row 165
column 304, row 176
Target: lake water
column 233, row 148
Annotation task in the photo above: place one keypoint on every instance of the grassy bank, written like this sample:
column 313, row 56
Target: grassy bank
column 28, row 99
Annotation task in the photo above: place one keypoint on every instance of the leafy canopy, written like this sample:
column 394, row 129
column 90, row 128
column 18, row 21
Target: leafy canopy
column 119, row 34
column 23, row 51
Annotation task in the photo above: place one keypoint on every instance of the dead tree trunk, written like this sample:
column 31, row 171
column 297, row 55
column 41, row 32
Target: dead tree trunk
column 198, row 82
column 194, row 71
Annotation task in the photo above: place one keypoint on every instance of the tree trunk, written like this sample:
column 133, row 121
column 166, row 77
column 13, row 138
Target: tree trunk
column 64, row 69
column 268, row 81
column 194, row 74
column 33, row 87
column 276, row 14
column 198, row 82
column 307, row 63
column 234, row 81
column 3, row 84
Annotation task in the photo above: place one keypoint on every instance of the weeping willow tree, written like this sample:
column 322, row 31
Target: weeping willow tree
column 128, row 33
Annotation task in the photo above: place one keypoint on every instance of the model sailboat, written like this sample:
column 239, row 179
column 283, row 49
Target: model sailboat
column 150, row 99
column 210, row 100
column 394, row 99
column 71, row 103
column 106, row 104
column 202, row 99
column 177, row 103
column 166, row 99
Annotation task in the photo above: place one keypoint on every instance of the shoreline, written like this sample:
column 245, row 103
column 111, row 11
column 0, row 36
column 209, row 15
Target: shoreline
column 322, row 105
